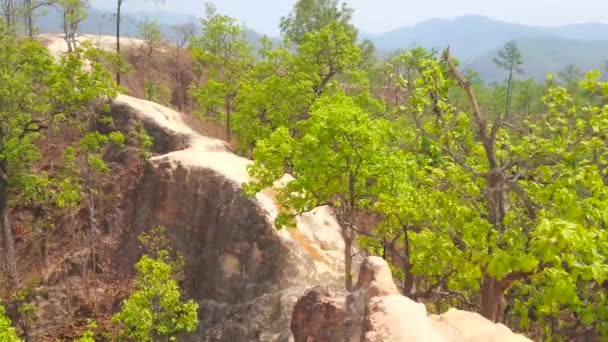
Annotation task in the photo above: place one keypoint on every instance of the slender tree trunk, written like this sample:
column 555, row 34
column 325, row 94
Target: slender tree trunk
column 180, row 95
column 8, row 8
column 42, row 238
column 92, row 223
column 348, row 237
column 408, row 281
column 28, row 17
column 10, row 260
column 119, row 4
column 66, row 30
column 228, row 119
column 492, row 291
column 508, row 102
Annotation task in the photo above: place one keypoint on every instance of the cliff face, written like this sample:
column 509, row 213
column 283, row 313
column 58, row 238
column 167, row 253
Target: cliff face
column 245, row 274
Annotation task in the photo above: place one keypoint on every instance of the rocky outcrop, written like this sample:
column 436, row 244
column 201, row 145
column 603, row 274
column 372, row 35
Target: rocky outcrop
column 244, row 273
column 376, row 312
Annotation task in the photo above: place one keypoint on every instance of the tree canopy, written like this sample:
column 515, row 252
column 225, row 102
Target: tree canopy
column 154, row 311
column 309, row 16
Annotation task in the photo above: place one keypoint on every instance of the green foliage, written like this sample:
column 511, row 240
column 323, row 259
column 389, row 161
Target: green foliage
column 159, row 93
column 509, row 58
column 552, row 235
column 144, row 140
column 154, row 310
column 35, row 92
column 348, row 146
column 282, row 86
column 158, row 245
column 224, row 56
column 151, row 33
column 347, row 143
column 7, row 332
column 310, row 16
column 273, row 94
column 92, row 146
column 74, row 12
column 88, row 335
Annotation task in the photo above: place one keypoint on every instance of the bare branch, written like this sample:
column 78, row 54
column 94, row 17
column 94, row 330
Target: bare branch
column 530, row 206
column 465, row 84
column 32, row 126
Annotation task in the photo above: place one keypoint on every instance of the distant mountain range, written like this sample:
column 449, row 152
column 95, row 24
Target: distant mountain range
column 475, row 40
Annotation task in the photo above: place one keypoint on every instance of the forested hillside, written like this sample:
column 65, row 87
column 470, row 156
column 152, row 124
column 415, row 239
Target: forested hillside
column 123, row 220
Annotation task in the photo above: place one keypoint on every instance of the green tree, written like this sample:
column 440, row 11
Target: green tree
column 399, row 73
column 571, row 75
column 9, row 13
column 225, row 57
column 310, row 16
column 30, row 8
column 348, row 145
column 7, row 332
column 36, row 91
column 154, row 311
column 90, row 172
column 327, row 53
column 181, row 66
column 280, row 88
column 527, row 98
column 523, row 205
column 273, row 94
column 74, row 12
column 510, row 59
column 152, row 35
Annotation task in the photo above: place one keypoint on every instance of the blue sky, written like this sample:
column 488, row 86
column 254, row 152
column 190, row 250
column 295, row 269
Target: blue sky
column 375, row 16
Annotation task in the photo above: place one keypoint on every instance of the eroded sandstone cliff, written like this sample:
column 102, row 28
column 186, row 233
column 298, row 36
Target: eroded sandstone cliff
column 245, row 274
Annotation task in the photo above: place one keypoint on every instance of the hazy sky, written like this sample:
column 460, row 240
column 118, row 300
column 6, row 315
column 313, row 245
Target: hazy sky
column 376, row 16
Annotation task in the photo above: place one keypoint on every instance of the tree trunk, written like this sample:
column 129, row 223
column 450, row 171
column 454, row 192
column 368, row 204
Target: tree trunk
column 508, row 104
column 408, row 281
column 92, row 220
column 118, row 37
column 348, row 237
column 28, row 17
column 10, row 261
column 8, row 7
column 492, row 299
column 228, row 118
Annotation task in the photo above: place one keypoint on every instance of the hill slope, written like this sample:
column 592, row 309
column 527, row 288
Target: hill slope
column 471, row 36
column 477, row 39
column 546, row 55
